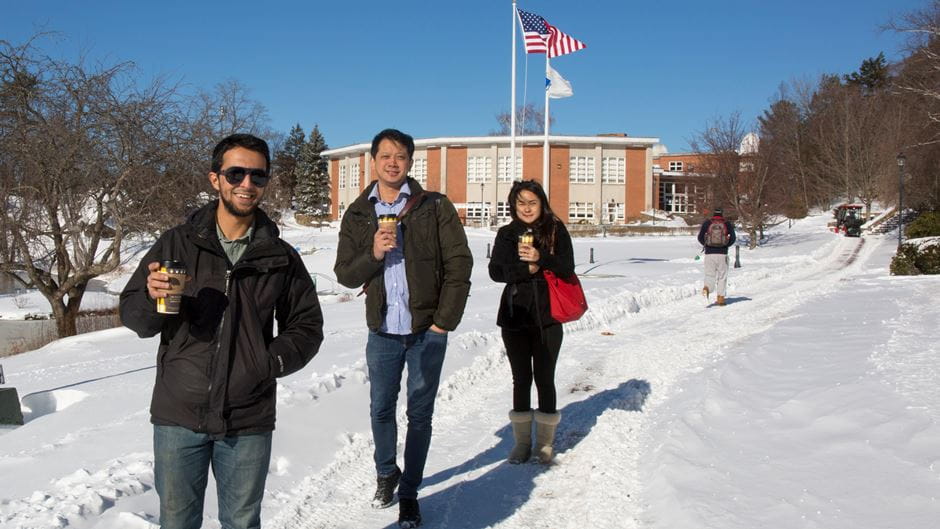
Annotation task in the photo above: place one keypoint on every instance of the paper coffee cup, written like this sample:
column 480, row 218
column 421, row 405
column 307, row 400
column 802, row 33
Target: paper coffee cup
column 526, row 239
column 176, row 270
column 388, row 222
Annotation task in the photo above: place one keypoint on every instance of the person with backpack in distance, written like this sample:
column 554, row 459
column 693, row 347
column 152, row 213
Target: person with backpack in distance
column 716, row 236
column 534, row 241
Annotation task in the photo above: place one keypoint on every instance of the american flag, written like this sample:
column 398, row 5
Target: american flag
column 535, row 30
column 560, row 43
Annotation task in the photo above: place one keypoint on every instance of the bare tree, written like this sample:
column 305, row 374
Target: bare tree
column 917, row 88
column 922, row 28
column 87, row 157
column 230, row 109
column 856, row 129
column 741, row 176
column 529, row 121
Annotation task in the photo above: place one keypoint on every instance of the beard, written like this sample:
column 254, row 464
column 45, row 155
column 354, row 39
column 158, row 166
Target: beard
column 234, row 210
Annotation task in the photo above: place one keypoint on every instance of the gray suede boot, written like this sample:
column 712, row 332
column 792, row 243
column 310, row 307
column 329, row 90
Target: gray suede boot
column 545, row 425
column 522, row 433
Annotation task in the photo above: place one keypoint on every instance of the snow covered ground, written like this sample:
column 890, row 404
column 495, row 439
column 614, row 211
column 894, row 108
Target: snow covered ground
column 810, row 400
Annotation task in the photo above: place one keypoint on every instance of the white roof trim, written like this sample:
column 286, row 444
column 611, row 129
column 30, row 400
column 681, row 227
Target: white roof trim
column 680, row 173
column 678, row 154
column 462, row 141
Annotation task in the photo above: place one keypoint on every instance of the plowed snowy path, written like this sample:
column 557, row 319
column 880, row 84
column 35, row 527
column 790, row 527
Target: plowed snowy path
column 607, row 386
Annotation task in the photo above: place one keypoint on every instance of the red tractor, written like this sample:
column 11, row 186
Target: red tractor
column 849, row 219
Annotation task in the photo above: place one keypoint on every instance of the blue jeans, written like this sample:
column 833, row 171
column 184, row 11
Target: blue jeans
column 181, row 460
column 386, row 356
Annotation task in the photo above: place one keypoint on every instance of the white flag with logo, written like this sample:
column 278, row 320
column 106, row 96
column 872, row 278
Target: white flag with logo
column 556, row 85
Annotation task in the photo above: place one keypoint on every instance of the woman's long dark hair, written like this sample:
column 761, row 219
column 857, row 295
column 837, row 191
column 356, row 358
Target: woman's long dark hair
column 544, row 226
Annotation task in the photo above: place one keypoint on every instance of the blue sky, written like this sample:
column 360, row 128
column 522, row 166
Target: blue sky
column 652, row 69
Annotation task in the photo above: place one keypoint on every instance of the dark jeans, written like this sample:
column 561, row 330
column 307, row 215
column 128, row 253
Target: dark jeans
column 533, row 354
column 181, row 461
column 386, row 356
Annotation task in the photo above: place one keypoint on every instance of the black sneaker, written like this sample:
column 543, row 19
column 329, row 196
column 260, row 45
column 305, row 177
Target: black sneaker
column 385, row 490
column 409, row 515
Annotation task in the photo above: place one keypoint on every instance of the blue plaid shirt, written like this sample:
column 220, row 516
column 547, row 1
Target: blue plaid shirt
column 398, row 315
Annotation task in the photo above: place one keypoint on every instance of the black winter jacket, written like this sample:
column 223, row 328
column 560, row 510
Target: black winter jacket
column 218, row 358
column 524, row 302
column 438, row 261
column 714, row 249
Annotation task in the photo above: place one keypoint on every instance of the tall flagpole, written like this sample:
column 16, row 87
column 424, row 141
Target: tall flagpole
column 512, row 105
column 545, row 168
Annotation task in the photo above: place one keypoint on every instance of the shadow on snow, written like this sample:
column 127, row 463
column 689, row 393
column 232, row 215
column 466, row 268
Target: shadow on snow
column 730, row 301
column 494, row 496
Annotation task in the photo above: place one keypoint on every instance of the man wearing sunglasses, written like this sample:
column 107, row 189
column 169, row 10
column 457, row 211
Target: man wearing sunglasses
column 214, row 396
column 416, row 278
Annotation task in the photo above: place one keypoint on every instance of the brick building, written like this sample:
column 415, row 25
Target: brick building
column 680, row 184
column 605, row 179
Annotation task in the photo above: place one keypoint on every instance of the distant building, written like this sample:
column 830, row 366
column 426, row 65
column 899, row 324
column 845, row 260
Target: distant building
column 680, row 185
column 604, row 179
column 684, row 182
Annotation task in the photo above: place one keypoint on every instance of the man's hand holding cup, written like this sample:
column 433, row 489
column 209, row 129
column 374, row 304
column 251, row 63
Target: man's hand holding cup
column 165, row 284
column 386, row 237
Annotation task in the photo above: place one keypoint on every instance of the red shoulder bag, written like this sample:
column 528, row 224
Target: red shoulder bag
column 565, row 295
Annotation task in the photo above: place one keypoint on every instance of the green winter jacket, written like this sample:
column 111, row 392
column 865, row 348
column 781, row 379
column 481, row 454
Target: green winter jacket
column 437, row 260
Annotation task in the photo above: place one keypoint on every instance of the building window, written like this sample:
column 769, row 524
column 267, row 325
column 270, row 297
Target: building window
column 502, row 210
column 477, row 210
column 613, row 212
column 579, row 211
column 675, row 197
column 675, row 166
column 342, row 176
column 354, row 175
column 419, row 171
column 342, row 209
column 613, row 170
column 746, row 167
column 503, row 171
column 478, row 169
column 581, row 170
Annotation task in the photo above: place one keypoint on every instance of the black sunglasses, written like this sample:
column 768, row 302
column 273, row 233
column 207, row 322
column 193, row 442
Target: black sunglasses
column 235, row 176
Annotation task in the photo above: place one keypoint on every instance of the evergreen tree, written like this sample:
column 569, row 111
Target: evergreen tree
column 873, row 75
column 313, row 180
column 284, row 169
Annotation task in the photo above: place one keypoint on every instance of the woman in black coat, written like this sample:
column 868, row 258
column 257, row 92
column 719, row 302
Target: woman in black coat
column 531, row 336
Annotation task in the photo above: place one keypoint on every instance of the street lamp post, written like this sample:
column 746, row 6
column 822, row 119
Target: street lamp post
column 901, row 159
column 483, row 211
